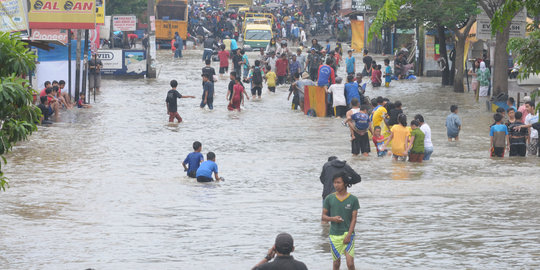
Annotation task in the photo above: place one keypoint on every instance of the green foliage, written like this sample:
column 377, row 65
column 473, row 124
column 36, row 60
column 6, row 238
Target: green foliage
column 127, row 7
column 448, row 13
column 527, row 53
column 18, row 116
column 14, row 57
column 507, row 11
column 387, row 13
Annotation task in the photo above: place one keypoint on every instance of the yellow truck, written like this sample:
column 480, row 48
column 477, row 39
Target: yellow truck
column 171, row 17
column 234, row 4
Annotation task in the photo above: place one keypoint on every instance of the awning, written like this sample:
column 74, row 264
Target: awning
column 43, row 44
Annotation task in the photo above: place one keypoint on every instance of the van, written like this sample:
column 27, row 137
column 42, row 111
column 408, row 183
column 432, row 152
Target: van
column 257, row 35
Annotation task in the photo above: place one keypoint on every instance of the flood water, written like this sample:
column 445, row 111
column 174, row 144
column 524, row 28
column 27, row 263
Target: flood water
column 104, row 187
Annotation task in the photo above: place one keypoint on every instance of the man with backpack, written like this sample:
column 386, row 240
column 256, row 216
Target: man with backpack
column 256, row 77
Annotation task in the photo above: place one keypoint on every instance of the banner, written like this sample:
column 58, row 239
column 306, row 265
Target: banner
column 357, row 41
column 315, row 98
column 124, row 23
column 50, row 34
column 13, row 15
column 100, row 13
column 62, row 14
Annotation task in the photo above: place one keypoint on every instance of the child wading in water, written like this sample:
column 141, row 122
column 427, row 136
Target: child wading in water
column 379, row 140
column 399, row 134
column 499, row 137
column 238, row 92
column 387, row 72
column 204, row 173
column 193, row 160
column 170, row 102
column 453, row 124
column 417, row 139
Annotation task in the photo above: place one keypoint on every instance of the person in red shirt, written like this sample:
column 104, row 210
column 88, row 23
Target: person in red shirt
column 238, row 92
column 47, row 85
column 223, row 61
column 376, row 76
column 282, row 69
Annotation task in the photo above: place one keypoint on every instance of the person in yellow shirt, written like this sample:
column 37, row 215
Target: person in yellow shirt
column 379, row 115
column 399, row 134
column 270, row 78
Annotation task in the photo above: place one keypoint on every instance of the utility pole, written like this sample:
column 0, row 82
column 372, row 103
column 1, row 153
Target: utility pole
column 69, row 63
column 150, row 71
column 85, row 56
column 78, row 66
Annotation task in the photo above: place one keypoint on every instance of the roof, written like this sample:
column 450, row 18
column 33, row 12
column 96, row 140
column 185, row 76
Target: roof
column 42, row 44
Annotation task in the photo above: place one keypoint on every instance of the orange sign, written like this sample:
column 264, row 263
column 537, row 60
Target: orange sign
column 62, row 14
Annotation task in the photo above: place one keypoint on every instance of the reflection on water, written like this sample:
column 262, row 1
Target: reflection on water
column 104, row 188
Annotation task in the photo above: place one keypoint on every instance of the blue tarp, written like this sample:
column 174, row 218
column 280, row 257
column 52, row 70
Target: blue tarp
column 60, row 53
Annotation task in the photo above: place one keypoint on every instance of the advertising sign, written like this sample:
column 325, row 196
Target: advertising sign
column 112, row 60
column 124, row 23
column 50, row 34
column 517, row 25
column 62, row 14
column 123, row 62
column 100, row 12
column 13, row 14
column 94, row 39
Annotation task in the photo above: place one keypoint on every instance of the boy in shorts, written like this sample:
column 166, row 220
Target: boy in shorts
column 341, row 210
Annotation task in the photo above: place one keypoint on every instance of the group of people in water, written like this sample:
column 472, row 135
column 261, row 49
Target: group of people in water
column 379, row 121
column 53, row 98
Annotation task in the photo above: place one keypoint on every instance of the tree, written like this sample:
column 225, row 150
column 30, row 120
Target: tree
column 18, row 117
column 526, row 51
column 123, row 7
column 455, row 15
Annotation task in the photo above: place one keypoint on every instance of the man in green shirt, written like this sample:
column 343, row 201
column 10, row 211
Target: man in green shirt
column 417, row 137
column 341, row 209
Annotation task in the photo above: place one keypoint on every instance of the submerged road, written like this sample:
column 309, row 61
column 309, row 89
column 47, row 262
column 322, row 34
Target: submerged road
column 104, row 187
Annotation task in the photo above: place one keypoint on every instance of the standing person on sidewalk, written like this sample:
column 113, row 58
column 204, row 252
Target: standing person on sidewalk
column 341, row 209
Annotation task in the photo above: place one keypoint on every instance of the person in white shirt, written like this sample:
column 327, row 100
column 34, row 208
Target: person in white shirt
column 338, row 96
column 303, row 37
column 532, row 118
column 428, row 145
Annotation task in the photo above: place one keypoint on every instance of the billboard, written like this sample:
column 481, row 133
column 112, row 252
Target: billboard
column 62, row 14
column 123, row 62
column 124, row 23
column 100, row 12
column 13, row 15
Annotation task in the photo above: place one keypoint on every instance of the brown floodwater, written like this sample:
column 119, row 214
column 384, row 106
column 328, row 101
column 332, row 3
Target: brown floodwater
column 104, row 187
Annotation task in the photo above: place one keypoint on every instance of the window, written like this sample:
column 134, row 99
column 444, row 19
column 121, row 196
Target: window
column 258, row 35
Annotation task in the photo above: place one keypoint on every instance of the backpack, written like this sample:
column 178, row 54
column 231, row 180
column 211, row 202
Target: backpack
column 257, row 76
